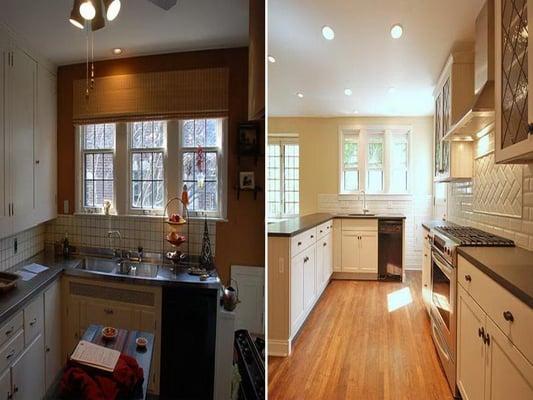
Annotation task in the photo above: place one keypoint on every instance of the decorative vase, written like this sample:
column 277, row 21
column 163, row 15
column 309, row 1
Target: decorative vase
column 206, row 256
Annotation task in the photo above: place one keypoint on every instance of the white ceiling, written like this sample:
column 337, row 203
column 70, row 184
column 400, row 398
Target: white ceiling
column 363, row 56
column 140, row 28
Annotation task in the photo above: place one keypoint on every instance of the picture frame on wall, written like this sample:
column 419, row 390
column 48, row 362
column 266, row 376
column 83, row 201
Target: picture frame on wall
column 248, row 140
column 247, row 180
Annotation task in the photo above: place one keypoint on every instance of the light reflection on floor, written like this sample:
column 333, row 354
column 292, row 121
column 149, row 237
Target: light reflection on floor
column 399, row 299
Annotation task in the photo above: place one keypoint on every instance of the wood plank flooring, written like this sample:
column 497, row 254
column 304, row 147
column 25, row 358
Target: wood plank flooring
column 352, row 347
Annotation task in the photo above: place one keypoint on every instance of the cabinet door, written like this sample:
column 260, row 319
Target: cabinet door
column 52, row 333
column 513, row 106
column 368, row 259
column 309, row 265
column 45, row 147
column 320, row 264
column 5, row 385
column 426, row 273
column 350, row 252
column 297, row 291
column 471, row 350
column 438, row 135
column 328, row 258
column 27, row 372
column 23, row 77
column 509, row 375
column 108, row 314
column 6, row 223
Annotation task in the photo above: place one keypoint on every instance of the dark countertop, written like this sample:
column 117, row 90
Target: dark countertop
column 13, row 300
column 295, row 225
column 511, row 267
column 432, row 224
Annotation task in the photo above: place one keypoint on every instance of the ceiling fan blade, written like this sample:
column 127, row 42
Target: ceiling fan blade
column 165, row 4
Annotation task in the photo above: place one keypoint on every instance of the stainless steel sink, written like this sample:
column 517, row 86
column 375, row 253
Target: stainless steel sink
column 98, row 265
column 143, row 270
column 109, row 266
column 362, row 215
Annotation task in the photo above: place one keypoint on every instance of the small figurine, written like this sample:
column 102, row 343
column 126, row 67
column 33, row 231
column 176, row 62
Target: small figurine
column 185, row 197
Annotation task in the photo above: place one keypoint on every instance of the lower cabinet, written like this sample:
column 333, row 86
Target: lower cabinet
column 359, row 252
column 27, row 372
column 309, row 271
column 324, row 261
column 426, row 270
column 53, row 359
column 489, row 365
column 126, row 306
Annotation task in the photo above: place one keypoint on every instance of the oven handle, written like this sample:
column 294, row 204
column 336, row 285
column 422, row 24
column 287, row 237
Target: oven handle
column 442, row 264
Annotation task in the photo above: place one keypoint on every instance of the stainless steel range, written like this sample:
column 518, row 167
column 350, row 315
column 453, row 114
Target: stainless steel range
column 444, row 243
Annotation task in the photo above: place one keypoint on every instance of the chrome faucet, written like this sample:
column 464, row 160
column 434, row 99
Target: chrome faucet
column 365, row 210
column 117, row 252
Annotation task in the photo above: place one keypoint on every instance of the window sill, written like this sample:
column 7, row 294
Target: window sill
column 101, row 215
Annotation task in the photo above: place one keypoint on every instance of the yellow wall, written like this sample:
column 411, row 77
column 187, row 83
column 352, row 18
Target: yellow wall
column 319, row 148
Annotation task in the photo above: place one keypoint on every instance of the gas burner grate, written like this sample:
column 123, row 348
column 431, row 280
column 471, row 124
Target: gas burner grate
column 467, row 236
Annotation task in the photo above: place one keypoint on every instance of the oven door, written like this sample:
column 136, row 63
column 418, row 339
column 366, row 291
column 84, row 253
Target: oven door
column 443, row 295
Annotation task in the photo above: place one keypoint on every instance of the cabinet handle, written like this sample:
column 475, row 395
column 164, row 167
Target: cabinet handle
column 47, row 349
column 108, row 311
column 15, row 389
column 530, row 128
column 33, row 321
column 299, row 243
column 481, row 333
column 327, row 227
column 10, row 331
column 486, row 339
column 468, row 278
column 306, row 259
column 508, row 316
column 324, row 244
column 11, row 354
column 425, row 285
column 320, row 231
column 312, row 236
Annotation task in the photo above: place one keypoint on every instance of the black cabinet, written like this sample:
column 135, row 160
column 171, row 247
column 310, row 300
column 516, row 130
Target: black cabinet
column 188, row 343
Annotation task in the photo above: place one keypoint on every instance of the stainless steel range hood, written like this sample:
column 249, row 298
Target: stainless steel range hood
column 479, row 119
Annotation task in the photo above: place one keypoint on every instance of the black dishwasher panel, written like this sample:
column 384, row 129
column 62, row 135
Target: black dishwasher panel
column 390, row 250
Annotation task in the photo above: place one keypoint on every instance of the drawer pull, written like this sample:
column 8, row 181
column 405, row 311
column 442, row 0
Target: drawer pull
column 47, row 349
column 481, row 333
column 468, row 278
column 320, row 232
column 33, row 321
column 11, row 354
column 327, row 227
column 486, row 339
column 306, row 259
column 10, row 331
column 108, row 311
column 312, row 236
column 324, row 244
column 299, row 243
column 508, row 316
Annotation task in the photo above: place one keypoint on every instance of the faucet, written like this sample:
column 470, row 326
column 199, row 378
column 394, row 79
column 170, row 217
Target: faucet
column 117, row 252
column 365, row 210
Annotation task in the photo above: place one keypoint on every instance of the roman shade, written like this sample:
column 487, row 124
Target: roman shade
column 198, row 93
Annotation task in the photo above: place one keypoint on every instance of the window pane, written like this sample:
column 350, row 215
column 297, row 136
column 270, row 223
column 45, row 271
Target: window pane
column 351, row 181
column 351, row 151
column 89, row 166
column 98, row 166
column 108, row 190
column 108, row 166
column 159, row 134
column 137, row 135
column 158, row 194
column 147, row 174
column 146, row 166
column 98, row 136
column 158, row 166
column 89, row 194
column 211, row 133
column 147, row 194
column 136, row 171
column 375, row 180
column 399, row 181
column 148, row 134
column 109, row 139
column 211, row 196
column 89, row 137
column 136, row 195
column 188, row 166
column 188, row 133
column 98, row 193
column 199, row 132
column 211, row 166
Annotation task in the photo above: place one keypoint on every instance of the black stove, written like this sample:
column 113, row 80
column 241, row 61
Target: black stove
column 466, row 236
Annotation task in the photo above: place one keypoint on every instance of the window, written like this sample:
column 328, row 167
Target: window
column 147, row 149
column 97, row 155
column 374, row 159
column 202, row 161
column 283, row 177
column 138, row 166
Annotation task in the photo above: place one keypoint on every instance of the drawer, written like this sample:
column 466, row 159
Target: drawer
column 33, row 319
column 302, row 241
column 10, row 328
column 323, row 229
column 11, row 350
column 499, row 303
column 354, row 224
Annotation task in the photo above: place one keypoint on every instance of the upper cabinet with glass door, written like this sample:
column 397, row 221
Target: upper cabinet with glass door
column 453, row 95
column 514, row 110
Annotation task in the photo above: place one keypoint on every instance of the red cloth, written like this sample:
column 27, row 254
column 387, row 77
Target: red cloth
column 80, row 383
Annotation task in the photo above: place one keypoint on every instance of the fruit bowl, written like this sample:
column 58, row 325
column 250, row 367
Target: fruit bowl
column 175, row 239
column 176, row 219
column 109, row 333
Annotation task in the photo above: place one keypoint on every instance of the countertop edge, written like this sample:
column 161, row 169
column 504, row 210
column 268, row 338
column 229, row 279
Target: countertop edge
column 514, row 290
column 332, row 216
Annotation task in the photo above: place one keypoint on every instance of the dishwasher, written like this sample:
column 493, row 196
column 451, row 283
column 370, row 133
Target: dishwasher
column 390, row 250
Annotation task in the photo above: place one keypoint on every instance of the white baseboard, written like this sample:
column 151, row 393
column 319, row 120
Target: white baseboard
column 279, row 348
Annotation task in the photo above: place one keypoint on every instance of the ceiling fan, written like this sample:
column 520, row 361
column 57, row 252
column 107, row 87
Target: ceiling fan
column 93, row 11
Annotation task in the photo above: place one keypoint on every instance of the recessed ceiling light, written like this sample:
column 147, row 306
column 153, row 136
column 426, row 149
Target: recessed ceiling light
column 300, row 95
column 396, row 31
column 328, row 32
column 117, row 51
column 348, row 92
column 271, row 59
column 392, row 89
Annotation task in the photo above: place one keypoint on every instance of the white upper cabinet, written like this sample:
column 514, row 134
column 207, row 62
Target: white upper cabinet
column 28, row 150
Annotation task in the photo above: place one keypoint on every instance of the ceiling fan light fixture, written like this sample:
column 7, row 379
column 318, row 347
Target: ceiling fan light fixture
column 98, row 21
column 112, row 8
column 87, row 10
column 75, row 17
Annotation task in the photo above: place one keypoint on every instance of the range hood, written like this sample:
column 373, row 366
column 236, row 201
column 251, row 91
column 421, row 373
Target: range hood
column 479, row 119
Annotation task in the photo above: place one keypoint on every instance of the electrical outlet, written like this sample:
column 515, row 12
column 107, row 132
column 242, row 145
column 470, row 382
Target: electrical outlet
column 15, row 246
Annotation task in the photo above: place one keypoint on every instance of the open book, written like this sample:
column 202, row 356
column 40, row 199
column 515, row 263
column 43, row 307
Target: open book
column 95, row 356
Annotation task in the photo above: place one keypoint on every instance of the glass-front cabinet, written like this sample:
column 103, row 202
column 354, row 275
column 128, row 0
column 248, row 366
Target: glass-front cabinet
column 514, row 111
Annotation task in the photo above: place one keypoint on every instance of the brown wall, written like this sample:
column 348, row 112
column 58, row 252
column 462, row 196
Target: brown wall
column 241, row 239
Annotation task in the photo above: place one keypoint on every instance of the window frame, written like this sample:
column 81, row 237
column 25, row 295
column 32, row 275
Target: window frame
column 130, row 150
column 282, row 140
column 363, row 132
column 80, row 169
column 222, row 165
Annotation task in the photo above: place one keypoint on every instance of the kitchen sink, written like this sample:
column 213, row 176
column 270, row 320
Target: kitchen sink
column 362, row 215
column 108, row 266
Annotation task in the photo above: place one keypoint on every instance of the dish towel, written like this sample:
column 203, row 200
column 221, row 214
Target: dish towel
column 78, row 382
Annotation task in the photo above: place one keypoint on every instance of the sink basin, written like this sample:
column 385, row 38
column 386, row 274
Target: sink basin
column 98, row 265
column 139, row 269
column 362, row 215
column 107, row 266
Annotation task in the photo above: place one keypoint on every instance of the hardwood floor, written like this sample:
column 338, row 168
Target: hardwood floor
column 352, row 347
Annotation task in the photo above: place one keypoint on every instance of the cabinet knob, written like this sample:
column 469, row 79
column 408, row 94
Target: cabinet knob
column 508, row 316
column 312, row 236
column 33, row 321
column 11, row 354
column 47, row 349
column 37, row 161
column 324, row 244
column 468, row 278
column 299, row 243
